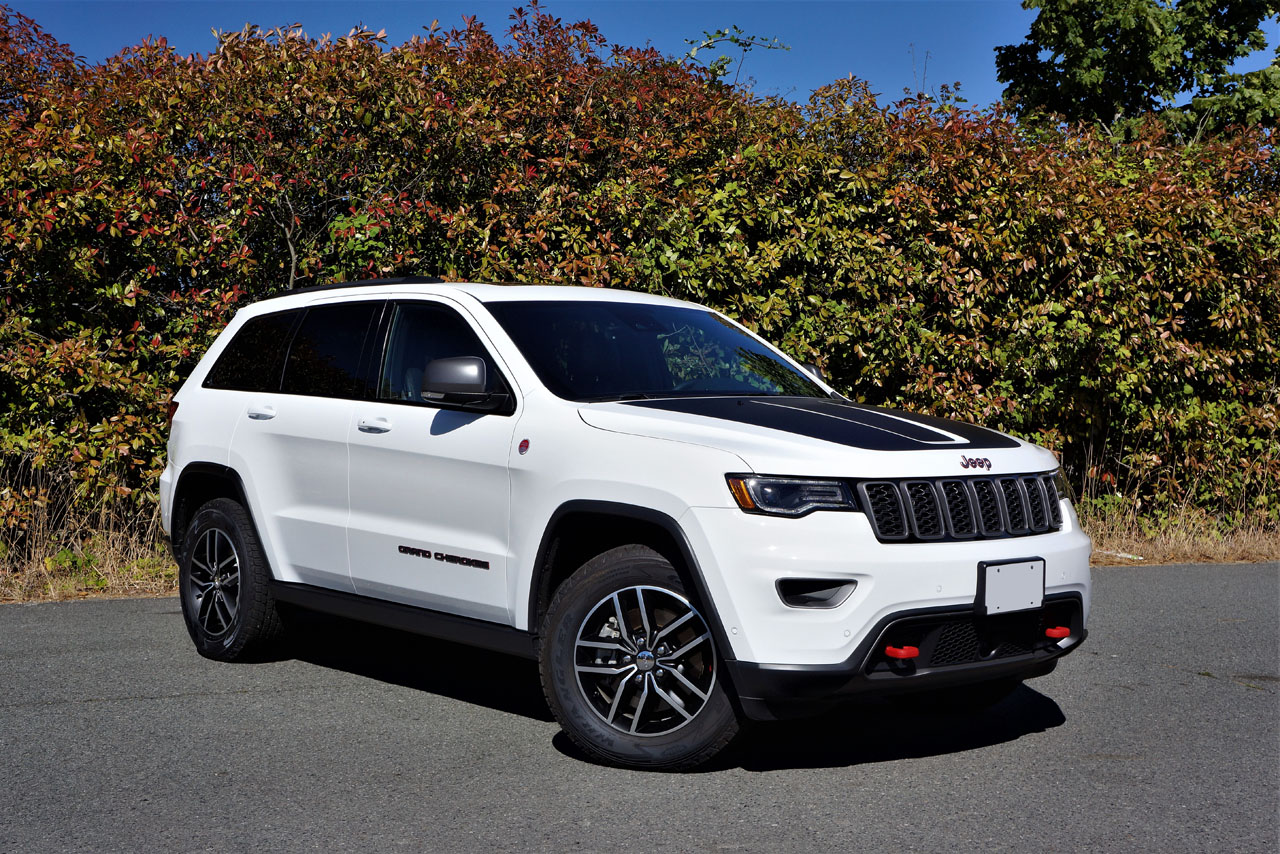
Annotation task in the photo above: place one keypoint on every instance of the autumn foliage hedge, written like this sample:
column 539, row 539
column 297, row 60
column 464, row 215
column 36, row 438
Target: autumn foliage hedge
column 1117, row 303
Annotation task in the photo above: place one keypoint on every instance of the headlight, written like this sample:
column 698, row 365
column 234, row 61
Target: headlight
column 789, row 496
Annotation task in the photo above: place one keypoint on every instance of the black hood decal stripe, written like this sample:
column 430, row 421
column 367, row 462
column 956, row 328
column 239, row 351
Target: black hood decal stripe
column 850, row 424
column 904, row 429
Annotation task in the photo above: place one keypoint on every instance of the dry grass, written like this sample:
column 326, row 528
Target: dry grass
column 1187, row 536
column 107, row 555
column 99, row 554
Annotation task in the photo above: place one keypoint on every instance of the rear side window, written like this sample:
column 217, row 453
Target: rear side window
column 325, row 357
column 254, row 359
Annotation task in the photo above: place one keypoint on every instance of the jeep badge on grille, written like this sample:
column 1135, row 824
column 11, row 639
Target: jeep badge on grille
column 975, row 463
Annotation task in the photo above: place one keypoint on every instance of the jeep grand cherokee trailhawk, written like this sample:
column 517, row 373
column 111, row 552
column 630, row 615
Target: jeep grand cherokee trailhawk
column 685, row 527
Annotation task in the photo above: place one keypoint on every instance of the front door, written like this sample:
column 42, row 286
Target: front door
column 430, row 490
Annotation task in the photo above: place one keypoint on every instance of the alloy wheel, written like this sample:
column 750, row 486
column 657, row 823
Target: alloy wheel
column 215, row 582
column 645, row 661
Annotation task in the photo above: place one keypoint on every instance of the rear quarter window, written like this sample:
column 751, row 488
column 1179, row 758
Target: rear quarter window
column 254, row 360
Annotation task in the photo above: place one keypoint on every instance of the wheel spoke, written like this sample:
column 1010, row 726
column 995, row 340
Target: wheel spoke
column 204, row 612
column 604, row 671
column 672, row 702
column 686, row 683
column 673, row 625
column 623, row 629
column 604, row 645
column 229, row 605
column 644, row 618
column 617, row 697
column 682, row 650
column 644, row 695
column 220, row 608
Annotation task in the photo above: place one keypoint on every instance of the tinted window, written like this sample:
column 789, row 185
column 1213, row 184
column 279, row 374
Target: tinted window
column 421, row 332
column 324, row 359
column 254, row 359
column 608, row 350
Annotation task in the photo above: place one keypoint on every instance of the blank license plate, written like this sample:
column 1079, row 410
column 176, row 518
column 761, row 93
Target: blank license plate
column 1013, row 586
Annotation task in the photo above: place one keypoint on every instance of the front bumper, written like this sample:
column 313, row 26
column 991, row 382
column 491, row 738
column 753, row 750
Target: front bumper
column 956, row 647
column 742, row 558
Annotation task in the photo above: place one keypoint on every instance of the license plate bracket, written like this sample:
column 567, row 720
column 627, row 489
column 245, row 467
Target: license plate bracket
column 1010, row 585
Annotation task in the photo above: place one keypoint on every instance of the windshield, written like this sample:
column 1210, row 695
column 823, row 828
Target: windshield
column 590, row 351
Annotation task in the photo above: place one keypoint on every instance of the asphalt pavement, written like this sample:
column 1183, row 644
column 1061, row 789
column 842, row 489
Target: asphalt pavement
column 1161, row 734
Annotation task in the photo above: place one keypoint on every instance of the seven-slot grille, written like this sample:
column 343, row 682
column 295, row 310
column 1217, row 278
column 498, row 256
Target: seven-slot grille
column 961, row 507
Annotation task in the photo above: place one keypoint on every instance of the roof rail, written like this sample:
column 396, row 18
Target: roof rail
column 401, row 280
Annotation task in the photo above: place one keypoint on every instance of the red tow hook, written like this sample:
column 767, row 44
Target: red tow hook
column 901, row 652
column 1057, row 632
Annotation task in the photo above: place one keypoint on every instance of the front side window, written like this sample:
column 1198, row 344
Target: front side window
column 420, row 333
column 324, row 359
column 254, row 359
column 586, row 351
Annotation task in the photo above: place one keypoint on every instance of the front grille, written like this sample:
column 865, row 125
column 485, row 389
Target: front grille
column 961, row 508
column 962, row 641
column 957, row 643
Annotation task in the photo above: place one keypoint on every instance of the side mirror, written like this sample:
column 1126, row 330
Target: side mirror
column 813, row 369
column 460, row 381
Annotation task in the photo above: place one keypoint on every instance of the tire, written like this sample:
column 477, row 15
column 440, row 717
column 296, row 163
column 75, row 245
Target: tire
column 653, row 700
column 223, row 582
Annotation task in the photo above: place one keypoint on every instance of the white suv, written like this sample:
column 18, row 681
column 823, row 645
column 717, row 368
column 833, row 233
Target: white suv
column 684, row 526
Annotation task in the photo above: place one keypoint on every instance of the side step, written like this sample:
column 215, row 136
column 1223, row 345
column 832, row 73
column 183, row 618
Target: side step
column 407, row 618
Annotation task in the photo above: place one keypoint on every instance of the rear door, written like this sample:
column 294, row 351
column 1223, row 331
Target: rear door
column 430, row 491
column 290, row 446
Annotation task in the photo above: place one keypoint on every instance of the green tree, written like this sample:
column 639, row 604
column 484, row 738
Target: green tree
column 1112, row 61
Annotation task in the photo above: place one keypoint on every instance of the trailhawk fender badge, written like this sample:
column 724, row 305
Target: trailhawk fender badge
column 975, row 463
column 427, row 554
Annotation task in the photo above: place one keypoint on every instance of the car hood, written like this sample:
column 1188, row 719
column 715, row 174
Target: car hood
column 816, row 436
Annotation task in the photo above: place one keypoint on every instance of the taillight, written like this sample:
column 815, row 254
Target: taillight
column 173, row 410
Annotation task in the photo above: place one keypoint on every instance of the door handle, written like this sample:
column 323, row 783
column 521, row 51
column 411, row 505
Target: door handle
column 262, row 413
column 373, row 425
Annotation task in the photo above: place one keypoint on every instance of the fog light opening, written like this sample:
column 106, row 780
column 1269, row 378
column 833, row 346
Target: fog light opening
column 815, row 592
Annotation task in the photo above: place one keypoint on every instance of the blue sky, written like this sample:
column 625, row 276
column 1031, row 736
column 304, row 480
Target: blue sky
column 914, row 44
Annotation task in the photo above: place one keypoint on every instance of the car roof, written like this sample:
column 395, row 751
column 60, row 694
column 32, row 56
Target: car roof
column 480, row 291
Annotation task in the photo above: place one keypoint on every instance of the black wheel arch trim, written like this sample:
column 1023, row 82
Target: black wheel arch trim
column 220, row 471
column 640, row 514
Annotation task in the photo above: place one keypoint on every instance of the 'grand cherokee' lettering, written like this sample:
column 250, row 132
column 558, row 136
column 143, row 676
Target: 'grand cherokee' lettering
column 446, row 558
